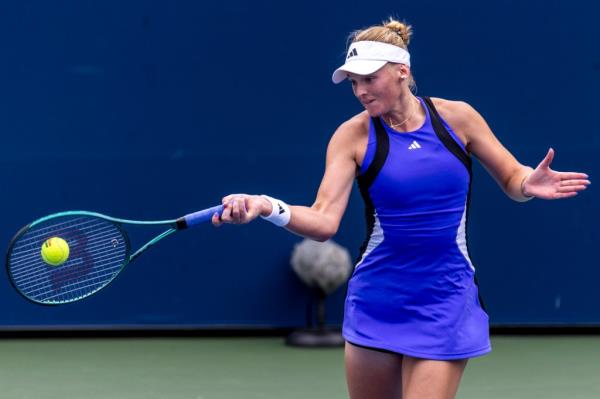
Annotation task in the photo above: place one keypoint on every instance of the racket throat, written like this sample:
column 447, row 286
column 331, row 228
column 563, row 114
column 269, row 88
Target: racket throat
column 151, row 243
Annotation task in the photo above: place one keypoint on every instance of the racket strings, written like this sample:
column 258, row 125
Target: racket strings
column 25, row 255
column 98, row 252
column 69, row 280
column 36, row 284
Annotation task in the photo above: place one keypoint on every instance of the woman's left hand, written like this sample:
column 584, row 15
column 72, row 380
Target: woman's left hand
column 546, row 183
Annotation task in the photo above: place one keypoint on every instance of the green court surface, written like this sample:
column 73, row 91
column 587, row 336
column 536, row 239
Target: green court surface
column 540, row 367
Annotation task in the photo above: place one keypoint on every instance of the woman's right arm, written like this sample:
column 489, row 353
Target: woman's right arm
column 321, row 220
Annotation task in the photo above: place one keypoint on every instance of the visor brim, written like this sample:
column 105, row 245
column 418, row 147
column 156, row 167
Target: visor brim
column 359, row 67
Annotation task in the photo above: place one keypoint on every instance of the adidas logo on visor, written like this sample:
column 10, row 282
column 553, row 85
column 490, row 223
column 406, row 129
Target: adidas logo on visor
column 352, row 53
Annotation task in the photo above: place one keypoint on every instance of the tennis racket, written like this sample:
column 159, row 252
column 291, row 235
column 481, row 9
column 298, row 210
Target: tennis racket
column 95, row 247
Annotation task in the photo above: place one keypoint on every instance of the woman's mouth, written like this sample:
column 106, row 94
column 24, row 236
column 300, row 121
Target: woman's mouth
column 367, row 102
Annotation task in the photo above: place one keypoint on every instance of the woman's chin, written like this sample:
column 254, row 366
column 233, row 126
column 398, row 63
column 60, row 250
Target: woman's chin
column 373, row 111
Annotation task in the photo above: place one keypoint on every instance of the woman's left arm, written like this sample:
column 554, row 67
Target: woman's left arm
column 518, row 181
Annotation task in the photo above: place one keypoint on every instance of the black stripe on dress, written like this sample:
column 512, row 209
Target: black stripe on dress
column 382, row 149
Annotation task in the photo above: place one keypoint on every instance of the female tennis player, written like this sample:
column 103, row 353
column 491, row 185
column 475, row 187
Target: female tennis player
column 412, row 315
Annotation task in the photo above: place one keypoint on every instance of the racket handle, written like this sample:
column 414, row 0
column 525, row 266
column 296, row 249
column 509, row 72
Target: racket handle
column 193, row 219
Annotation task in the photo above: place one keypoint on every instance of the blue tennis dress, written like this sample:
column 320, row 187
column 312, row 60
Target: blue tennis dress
column 413, row 290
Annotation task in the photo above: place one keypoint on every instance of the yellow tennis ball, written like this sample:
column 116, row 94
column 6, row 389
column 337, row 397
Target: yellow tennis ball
column 55, row 251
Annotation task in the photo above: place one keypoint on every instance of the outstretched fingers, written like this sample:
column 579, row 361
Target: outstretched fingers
column 573, row 182
column 573, row 176
column 560, row 195
column 578, row 183
column 570, row 187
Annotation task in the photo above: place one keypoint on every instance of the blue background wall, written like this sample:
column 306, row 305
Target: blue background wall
column 152, row 109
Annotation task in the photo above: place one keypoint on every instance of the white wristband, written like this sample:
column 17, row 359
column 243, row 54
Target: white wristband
column 280, row 215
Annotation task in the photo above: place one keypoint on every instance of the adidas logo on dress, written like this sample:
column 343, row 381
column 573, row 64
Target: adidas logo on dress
column 414, row 145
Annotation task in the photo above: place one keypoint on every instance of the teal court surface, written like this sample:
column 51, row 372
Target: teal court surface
column 540, row 367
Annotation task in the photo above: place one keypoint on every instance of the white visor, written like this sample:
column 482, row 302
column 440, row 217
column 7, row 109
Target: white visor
column 366, row 57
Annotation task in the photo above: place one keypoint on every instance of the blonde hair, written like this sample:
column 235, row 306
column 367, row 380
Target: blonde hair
column 390, row 32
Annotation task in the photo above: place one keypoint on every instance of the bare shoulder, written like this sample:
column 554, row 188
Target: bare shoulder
column 354, row 127
column 451, row 108
column 461, row 116
column 351, row 136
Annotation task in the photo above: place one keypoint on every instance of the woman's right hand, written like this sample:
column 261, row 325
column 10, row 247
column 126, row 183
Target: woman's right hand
column 241, row 209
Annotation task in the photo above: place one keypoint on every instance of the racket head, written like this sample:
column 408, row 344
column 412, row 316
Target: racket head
column 99, row 249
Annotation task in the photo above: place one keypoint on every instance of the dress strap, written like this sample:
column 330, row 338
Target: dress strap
column 382, row 149
column 445, row 137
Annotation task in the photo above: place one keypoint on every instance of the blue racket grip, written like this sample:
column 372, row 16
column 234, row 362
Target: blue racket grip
column 203, row 216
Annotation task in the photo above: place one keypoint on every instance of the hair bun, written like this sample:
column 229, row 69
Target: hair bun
column 401, row 29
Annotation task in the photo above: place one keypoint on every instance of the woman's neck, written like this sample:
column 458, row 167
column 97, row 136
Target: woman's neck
column 404, row 114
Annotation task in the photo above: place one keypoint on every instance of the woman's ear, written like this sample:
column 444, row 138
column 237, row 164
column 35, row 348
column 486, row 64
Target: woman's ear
column 403, row 71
